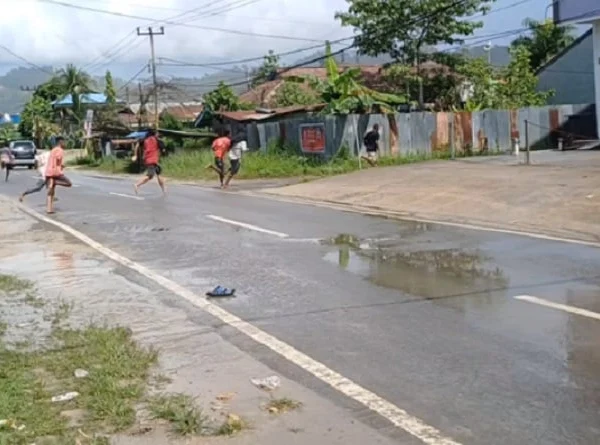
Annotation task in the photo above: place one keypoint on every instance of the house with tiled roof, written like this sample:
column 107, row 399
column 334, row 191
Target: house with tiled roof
column 372, row 76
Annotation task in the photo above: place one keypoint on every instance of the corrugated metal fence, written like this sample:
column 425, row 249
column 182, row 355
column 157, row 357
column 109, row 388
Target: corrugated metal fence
column 424, row 133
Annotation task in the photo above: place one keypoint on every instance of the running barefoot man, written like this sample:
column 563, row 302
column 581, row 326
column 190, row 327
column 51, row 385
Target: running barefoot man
column 55, row 173
column 220, row 147
column 42, row 161
column 151, row 162
column 238, row 146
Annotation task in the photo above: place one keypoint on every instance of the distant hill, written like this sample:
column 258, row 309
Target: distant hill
column 17, row 85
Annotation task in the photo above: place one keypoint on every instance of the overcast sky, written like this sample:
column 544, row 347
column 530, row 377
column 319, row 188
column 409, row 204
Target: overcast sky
column 53, row 34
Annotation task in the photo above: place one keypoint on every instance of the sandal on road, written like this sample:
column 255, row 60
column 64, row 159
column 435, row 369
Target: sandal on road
column 220, row 291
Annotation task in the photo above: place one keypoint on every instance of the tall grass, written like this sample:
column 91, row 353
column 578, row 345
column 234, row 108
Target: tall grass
column 191, row 164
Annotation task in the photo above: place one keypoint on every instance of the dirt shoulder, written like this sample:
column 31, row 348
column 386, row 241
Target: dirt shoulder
column 144, row 371
column 558, row 195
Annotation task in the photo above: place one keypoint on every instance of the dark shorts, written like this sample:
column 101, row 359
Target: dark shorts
column 153, row 170
column 234, row 167
column 219, row 164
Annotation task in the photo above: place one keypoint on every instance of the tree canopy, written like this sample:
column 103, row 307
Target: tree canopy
column 401, row 28
column 547, row 39
column 267, row 70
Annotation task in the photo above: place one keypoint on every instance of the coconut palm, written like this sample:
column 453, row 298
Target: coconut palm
column 74, row 82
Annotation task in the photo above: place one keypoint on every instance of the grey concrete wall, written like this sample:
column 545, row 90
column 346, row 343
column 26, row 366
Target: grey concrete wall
column 571, row 76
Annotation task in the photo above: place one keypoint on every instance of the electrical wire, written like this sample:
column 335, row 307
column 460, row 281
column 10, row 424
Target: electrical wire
column 23, row 59
column 174, row 23
column 236, row 4
column 135, row 76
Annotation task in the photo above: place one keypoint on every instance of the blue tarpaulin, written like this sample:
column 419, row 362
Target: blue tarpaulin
column 137, row 135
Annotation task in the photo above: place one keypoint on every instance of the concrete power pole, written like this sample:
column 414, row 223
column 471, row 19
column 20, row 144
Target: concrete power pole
column 151, row 33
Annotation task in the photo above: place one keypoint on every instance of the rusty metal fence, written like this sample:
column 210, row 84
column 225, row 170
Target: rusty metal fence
column 425, row 133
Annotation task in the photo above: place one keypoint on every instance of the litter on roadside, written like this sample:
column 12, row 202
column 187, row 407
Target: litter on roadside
column 65, row 397
column 268, row 383
column 81, row 373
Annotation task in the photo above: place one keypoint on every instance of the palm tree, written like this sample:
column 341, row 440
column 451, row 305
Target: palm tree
column 75, row 82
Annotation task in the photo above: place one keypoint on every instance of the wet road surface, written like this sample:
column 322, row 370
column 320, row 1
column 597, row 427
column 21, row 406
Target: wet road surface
column 423, row 315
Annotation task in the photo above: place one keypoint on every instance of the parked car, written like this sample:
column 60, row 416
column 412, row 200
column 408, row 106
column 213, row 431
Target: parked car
column 24, row 153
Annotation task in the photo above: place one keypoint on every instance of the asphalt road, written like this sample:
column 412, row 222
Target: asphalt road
column 422, row 315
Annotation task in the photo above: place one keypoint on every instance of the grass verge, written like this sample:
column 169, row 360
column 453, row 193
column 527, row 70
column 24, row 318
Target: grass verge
column 180, row 412
column 186, row 419
column 283, row 405
column 12, row 283
column 190, row 165
column 117, row 374
column 118, row 371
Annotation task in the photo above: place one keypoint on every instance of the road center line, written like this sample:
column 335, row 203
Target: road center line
column 397, row 416
column 558, row 306
column 139, row 198
column 248, row 226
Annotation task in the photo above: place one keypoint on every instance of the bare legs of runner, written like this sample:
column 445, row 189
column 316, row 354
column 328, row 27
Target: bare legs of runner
column 63, row 181
column 148, row 178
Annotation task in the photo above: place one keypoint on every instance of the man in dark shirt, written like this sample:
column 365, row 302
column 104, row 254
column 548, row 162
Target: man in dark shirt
column 151, row 161
column 371, row 142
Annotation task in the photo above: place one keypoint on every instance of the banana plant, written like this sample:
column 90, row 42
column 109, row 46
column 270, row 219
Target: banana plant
column 343, row 93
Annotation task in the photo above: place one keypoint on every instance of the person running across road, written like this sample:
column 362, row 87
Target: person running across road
column 220, row 147
column 6, row 161
column 371, row 142
column 55, row 173
column 151, row 162
column 238, row 145
column 42, row 162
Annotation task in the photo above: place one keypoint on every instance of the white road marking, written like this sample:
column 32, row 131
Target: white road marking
column 558, row 306
column 248, row 226
column 139, row 198
column 397, row 416
column 399, row 216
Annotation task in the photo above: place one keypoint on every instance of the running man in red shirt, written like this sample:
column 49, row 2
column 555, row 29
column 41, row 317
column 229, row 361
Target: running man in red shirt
column 220, row 147
column 151, row 162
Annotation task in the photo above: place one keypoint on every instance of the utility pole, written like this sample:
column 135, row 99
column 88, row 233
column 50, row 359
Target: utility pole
column 151, row 33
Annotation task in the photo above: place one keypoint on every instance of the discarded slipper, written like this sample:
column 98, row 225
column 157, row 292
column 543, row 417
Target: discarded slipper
column 220, row 291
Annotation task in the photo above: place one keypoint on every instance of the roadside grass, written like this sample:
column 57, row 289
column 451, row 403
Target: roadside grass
column 231, row 426
column 118, row 374
column 191, row 164
column 12, row 283
column 186, row 419
column 282, row 405
column 180, row 412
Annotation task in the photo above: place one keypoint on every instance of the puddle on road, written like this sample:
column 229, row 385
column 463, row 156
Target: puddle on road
column 425, row 273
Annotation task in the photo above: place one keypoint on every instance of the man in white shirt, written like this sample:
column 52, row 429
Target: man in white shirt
column 238, row 145
column 42, row 160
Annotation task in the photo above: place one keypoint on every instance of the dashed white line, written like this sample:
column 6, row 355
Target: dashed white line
column 558, row 306
column 123, row 195
column 248, row 226
column 397, row 416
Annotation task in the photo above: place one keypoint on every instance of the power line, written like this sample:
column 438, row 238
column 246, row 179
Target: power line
column 23, row 59
column 135, row 76
column 130, row 35
column 236, row 4
column 173, row 23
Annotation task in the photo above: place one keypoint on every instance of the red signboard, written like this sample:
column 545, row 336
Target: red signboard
column 312, row 138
